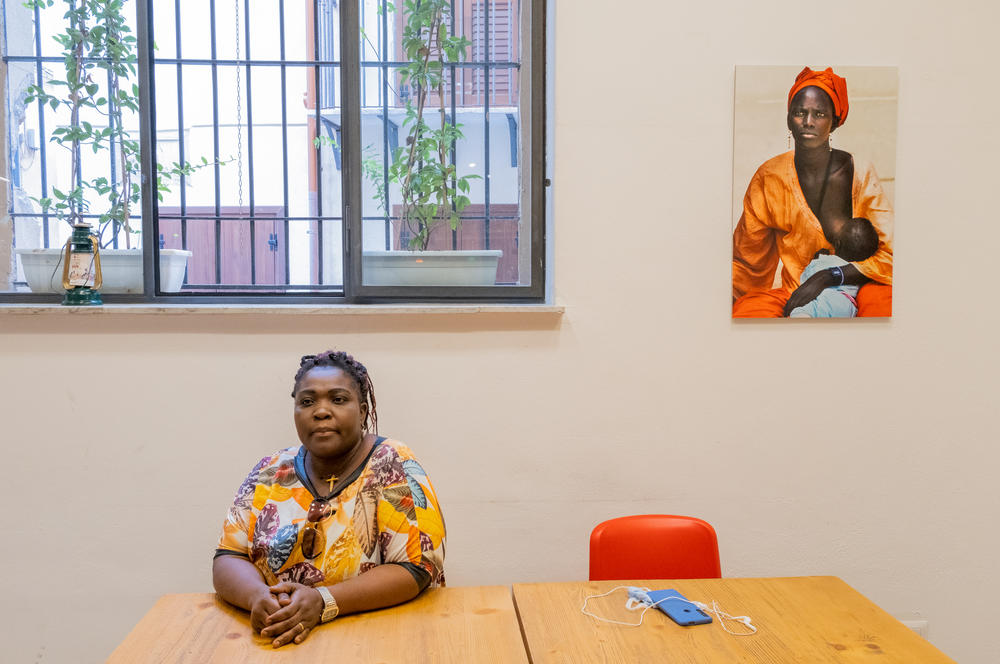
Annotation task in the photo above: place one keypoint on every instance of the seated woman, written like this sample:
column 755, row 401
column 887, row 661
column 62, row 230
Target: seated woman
column 347, row 521
column 793, row 205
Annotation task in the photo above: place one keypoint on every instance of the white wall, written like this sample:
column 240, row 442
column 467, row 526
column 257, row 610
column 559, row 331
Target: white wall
column 862, row 449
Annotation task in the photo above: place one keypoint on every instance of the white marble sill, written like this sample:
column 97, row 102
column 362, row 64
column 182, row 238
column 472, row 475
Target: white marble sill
column 280, row 309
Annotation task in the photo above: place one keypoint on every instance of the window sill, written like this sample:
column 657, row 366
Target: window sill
column 281, row 309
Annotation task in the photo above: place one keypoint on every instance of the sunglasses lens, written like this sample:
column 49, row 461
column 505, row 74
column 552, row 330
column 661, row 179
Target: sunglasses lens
column 313, row 541
column 318, row 510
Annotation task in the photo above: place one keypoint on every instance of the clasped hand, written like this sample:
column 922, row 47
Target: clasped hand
column 287, row 612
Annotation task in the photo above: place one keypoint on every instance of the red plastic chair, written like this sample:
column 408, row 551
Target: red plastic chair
column 654, row 546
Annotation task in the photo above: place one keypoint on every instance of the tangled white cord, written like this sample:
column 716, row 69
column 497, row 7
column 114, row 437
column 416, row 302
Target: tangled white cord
column 629, row 605
column 723, row 617
column 637, row 597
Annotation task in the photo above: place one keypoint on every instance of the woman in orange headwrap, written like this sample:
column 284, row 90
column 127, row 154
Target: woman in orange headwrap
column 794, row 204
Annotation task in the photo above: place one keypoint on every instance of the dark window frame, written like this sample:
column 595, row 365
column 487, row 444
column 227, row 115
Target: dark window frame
column 354, row 292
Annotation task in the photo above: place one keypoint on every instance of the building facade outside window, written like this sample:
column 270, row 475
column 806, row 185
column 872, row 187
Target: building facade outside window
column 282, row 121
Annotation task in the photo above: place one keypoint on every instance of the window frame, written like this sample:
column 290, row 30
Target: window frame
column 534, row 182
column 354, row 291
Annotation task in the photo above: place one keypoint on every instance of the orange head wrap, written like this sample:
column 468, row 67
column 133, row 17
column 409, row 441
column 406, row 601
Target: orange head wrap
column 828, row 82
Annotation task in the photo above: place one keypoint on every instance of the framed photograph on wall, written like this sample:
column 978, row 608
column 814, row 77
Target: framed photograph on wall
column 814, row 165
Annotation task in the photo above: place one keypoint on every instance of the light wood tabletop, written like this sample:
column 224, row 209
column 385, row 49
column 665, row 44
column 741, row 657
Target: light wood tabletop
column 469, row 624
column 811, row 620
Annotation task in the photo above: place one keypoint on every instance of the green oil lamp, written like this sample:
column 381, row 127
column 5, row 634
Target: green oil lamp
column 82, row 268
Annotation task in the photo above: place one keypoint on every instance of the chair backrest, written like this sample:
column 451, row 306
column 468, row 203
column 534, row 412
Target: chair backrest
column 654, row 546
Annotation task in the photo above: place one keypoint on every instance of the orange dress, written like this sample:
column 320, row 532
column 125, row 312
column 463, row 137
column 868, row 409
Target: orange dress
column 777, row 223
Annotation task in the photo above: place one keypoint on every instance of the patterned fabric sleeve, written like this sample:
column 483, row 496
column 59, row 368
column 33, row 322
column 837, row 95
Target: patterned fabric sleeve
column 236, row 529
column 410, row 525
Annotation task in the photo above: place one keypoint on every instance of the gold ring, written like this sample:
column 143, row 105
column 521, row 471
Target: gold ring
column 301, row 627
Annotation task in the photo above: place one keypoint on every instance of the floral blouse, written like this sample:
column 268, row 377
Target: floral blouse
column 388, row 514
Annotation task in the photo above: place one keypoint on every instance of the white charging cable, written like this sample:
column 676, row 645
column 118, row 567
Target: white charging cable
column 723, row 617
column 632, row 604
column 638, row 597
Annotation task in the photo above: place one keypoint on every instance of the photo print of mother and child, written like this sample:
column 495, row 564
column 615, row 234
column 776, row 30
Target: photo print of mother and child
column 813, row 225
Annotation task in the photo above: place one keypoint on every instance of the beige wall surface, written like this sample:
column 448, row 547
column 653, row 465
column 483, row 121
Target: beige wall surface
column 865, row 449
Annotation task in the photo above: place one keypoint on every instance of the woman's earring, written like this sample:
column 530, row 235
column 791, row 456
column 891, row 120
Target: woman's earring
column 829, row 143
column 789, row 139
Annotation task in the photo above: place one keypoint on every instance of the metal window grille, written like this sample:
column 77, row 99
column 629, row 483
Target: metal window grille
column 242, row 239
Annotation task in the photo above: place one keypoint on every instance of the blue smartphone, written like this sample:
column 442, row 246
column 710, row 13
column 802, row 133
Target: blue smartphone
column 680, row 610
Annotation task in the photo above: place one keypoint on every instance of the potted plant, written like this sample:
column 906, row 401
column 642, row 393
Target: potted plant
column 432, row 194
column 98, row 46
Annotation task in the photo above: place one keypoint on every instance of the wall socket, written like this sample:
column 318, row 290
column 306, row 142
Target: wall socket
column 918, row 626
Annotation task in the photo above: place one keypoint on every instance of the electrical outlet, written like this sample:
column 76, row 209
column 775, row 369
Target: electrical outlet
column 918, row 626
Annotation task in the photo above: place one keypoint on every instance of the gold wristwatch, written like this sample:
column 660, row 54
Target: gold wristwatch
column 330, row 608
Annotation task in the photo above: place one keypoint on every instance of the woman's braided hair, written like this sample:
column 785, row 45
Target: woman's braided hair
column 354, row 369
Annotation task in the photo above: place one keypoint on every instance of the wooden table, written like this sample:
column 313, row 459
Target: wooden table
column 804, row 619
column 474, row 624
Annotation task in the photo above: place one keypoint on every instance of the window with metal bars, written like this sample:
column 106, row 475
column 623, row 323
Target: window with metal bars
column 281, row 137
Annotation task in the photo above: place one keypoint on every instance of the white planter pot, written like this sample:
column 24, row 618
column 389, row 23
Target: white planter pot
column 120, row 268
column 430, row 268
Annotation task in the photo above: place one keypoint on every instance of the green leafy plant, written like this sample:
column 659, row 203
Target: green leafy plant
column 98, row 45
column 432, row 194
